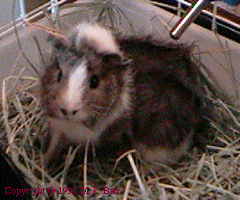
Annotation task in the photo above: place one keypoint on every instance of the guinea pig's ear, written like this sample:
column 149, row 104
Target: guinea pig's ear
column 115, row 58
column 57, row 43
column 55, row 63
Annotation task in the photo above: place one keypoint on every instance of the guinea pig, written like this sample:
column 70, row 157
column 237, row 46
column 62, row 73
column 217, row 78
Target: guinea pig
column 104, row 88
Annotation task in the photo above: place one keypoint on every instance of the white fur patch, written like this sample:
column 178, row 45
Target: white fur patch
column 127, row 90
column 75, row 88
column 97, row 37
column 165, row 155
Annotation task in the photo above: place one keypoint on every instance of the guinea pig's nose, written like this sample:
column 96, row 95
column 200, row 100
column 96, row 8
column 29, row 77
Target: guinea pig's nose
column 67, row 112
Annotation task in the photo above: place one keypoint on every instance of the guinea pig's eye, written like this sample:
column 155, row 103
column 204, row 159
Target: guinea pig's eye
column 94, row 81
column 60, row 76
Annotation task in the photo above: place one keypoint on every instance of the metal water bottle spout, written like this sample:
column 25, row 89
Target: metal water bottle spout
column 192, row 14
column 184, row 22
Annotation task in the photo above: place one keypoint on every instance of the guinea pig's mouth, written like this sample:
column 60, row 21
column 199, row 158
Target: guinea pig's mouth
column 81, row 116
column 90, row 123
column 92, row 118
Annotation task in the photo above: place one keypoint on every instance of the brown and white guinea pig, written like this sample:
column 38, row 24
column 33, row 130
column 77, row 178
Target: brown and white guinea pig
column 105, row 88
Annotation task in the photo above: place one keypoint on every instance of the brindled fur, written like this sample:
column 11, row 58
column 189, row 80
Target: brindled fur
column 148, row 95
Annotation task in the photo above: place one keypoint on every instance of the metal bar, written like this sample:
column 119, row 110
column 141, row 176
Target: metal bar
column 183, row 24
column 22, row 9
column 29, row 16
column 54, row 6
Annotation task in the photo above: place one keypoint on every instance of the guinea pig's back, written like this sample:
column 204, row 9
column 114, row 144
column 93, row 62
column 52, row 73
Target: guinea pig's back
column 168, row 97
